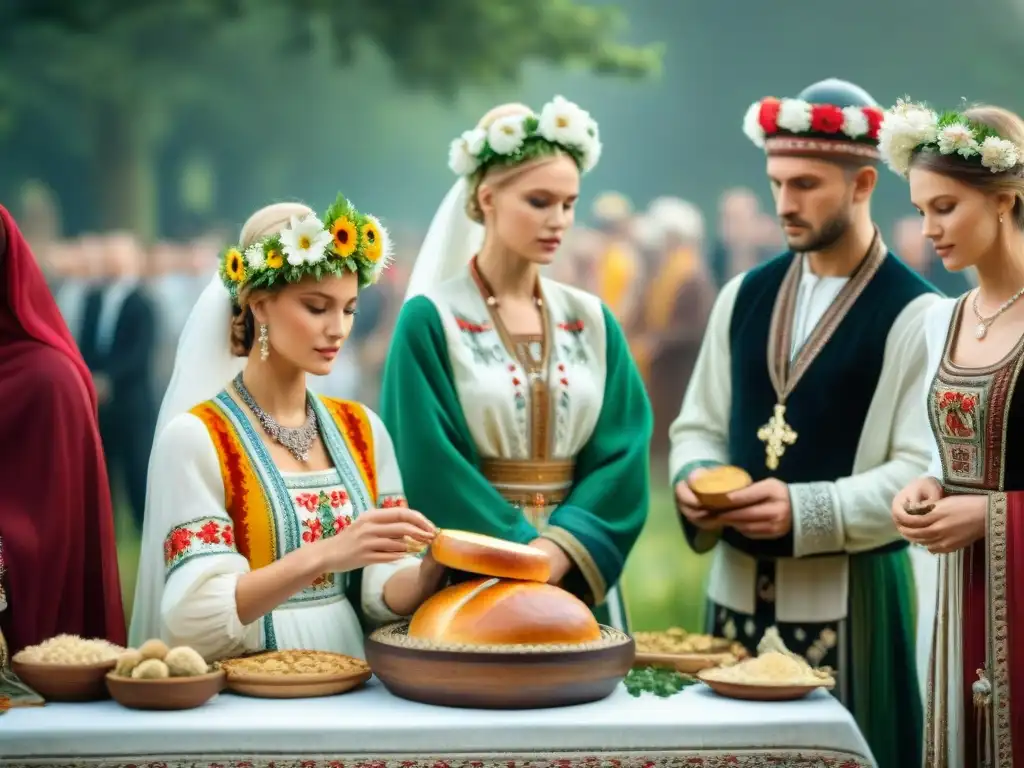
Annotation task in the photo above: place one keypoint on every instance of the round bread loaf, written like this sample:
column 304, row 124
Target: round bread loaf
column 488, row 556
column 502, row 612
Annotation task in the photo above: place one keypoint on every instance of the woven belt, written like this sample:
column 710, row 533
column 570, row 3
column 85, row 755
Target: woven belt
column 529, row 483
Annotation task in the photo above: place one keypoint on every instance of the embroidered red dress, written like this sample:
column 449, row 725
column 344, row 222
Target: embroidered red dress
column 975, row 711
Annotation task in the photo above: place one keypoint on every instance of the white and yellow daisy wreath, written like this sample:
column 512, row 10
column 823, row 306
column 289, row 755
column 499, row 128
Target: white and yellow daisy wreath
column 909, row 127
column 514, row 139
column 343, row 241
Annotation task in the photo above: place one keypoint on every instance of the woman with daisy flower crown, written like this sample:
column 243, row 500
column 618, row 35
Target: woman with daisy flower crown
column 513, row 401
column 966, row 174
column 276, row 519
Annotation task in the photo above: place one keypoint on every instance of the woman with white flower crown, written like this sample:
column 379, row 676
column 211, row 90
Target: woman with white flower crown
column 274, row 517
column 966, row 174
column 515, row 407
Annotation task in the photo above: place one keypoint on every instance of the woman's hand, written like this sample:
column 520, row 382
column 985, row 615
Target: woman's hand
column 921, row 492
column 955, row 523
column 376, row 536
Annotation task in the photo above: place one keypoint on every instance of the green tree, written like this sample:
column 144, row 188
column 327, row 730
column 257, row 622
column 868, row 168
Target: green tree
column 117, row 75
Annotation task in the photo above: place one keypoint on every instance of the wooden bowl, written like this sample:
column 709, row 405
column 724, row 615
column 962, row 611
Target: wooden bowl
column 499, row 677
column 713, row 486
column 170, row 693
column 65, row 682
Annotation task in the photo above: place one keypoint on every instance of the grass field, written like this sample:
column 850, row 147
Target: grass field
column 663, row 583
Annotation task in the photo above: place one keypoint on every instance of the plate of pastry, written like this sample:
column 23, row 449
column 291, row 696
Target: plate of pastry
column 294, row 674
column 687, row 652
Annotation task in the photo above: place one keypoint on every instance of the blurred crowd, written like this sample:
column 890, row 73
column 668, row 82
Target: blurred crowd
column 658, row 268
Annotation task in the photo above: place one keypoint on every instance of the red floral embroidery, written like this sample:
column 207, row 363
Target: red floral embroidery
column 467, row 326
column 314, row 530
column 209, row 533
column 958, row 413
column 392, row 501
column 200, row 536
column 572, row 326
column 310, row 501
column 694, row 758
column 339, row 498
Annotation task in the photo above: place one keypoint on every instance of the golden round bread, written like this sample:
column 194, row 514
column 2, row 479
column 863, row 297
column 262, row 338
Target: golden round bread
column 504, row 612
column 488, row 556
column 713, row 486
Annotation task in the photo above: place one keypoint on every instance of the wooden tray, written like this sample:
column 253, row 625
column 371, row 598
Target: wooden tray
column 295, row 686
column 752, row 692
column 499, row 677
column 688, row 663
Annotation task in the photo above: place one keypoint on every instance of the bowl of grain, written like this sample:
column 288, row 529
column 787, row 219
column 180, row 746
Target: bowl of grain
column 67, row 667
column 713, row 486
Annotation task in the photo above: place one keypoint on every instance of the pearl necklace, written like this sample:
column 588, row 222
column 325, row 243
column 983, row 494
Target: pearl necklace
column 984, row 323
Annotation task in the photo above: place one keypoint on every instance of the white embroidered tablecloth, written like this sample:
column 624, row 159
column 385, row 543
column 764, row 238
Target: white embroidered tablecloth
column 370, row 728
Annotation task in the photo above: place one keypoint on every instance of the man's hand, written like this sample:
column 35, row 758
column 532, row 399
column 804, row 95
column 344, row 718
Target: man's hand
column 763, row 510
column 690, row 507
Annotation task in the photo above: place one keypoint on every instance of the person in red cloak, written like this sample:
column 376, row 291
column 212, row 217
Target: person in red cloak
column 56, row 519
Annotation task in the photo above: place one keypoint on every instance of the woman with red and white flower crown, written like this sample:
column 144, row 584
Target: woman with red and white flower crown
column 275, row 518
column 966, row 174
column 514, row 405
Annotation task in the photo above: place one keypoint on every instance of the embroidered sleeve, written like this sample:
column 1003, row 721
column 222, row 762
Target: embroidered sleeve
column 390, row 495
column 896, row 439
column 817, row 519
column 199, row 537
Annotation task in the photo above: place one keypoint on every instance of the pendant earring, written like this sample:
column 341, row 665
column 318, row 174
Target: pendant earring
column 1000, row 218
column 264, row 342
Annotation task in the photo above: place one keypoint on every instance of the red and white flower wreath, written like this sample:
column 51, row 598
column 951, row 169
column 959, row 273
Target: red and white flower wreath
column 769, row 116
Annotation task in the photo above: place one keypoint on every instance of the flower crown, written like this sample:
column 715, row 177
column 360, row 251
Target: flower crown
column 801, row 121
column 911, row 126
column 350, row 242
column 518, row 138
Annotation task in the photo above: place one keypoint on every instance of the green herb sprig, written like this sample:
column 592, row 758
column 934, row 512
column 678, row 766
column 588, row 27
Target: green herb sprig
column 655, row 680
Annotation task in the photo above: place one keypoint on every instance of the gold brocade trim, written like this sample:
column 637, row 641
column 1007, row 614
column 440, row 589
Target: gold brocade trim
column 518, row 472
column 530, row 483
column 581, row 557
column 998, row 638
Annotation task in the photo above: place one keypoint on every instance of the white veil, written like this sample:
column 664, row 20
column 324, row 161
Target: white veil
column 450, row 243
column 203, row 366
